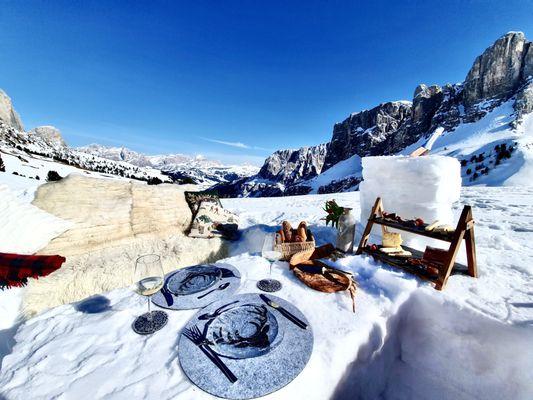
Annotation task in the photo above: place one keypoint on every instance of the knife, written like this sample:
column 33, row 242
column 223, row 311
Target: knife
column 311, row 269
column 287, row 314
column 317, row 269
column 227, row 273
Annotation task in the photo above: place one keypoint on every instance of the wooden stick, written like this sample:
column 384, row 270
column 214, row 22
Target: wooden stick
column 454, row 249
column 470, row 244
column 421, row 151
column 364, row 239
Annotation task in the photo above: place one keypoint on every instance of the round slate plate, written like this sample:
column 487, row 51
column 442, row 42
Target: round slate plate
column 193, row 279
column 266, row 369
column 244, row 331
column 230, row 280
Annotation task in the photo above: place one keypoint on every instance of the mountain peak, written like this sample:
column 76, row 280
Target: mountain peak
column 50, row 134
column 499, row 71
column 7, row 113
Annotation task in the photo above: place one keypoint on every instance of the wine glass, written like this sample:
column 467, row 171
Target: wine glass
column 149, row 278
column 271, row 254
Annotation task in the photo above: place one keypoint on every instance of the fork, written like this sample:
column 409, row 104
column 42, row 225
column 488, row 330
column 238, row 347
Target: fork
column 195, row 336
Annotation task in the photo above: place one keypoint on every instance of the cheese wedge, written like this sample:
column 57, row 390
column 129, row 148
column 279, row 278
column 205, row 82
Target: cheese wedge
column 391, row 239
column 389, row 250
column 444, row 228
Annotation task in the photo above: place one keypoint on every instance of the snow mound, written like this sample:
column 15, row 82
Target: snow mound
column 25, row 228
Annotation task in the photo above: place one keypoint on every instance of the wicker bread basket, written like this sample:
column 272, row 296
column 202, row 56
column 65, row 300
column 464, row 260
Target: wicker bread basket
column 289, row 249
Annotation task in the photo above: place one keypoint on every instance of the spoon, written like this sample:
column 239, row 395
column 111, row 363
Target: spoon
column 221, row 287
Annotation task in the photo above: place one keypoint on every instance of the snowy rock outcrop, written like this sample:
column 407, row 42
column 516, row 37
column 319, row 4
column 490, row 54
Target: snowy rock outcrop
column 48, row 145
column 7, row 113
column 524, row 101
column 50, row 134
column 116, row 154
column 425, row 103
column 46, row 141
column 502, row 74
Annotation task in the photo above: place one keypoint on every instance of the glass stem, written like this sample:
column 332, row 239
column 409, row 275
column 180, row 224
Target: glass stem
column 271, row 263
column 149, row 310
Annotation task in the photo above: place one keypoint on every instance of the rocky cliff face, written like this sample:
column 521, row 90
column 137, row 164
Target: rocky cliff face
column 504, row 71
column 292, row 165
column 365, row 131
column 7, row 113
column 499, row 70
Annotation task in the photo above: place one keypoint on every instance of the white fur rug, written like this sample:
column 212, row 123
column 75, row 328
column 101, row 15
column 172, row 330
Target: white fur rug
column 113, row 223
column 112, row 267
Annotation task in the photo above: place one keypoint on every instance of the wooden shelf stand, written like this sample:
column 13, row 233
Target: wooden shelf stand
column 463, row 231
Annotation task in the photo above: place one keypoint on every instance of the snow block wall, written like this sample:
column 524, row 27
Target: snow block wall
column 412, row 187
column 433, row 349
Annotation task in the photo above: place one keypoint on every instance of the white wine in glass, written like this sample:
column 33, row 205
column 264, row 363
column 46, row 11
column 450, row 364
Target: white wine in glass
column 149, row 279
column 270, row 253
column 149, row 286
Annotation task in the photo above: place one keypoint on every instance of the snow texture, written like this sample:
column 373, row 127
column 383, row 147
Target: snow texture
column 405, row 341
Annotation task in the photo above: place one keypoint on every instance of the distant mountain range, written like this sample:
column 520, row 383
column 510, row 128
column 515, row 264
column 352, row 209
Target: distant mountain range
column 476, row 121
column 178, row 166
column 46, row 141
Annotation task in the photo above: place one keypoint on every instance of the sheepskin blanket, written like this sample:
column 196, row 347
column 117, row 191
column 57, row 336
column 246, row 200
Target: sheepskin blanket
column 114, row 222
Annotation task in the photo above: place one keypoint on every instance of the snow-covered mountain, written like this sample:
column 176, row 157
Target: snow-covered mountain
column 45, row 143
column 485, row 122
column 178, row 166
column 43, row 148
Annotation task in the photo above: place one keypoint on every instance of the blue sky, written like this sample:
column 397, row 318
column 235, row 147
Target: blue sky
column 232, row 80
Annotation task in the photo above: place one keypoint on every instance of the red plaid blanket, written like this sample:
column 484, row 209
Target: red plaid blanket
column 15, row 269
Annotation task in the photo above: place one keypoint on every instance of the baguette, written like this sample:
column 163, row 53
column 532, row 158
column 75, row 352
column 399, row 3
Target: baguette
column 302, row 231
column 287, row 231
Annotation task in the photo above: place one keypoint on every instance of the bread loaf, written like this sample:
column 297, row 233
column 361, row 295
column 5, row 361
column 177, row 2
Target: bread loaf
column 287, row 231
column 302, row 231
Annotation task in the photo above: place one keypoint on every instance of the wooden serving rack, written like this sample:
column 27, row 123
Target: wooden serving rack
column 464, row 230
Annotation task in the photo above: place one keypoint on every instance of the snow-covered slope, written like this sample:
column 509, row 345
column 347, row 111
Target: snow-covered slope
column 44, row 145
column 491, row 151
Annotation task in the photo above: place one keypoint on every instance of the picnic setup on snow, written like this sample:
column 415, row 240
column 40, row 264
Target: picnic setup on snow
column 247, row 343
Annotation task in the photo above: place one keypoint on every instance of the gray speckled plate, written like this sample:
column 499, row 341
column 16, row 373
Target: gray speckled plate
column 219, row 281
column 262, row 348
column 193, row 279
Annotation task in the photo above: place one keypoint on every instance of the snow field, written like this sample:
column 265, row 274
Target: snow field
column 406, row 340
